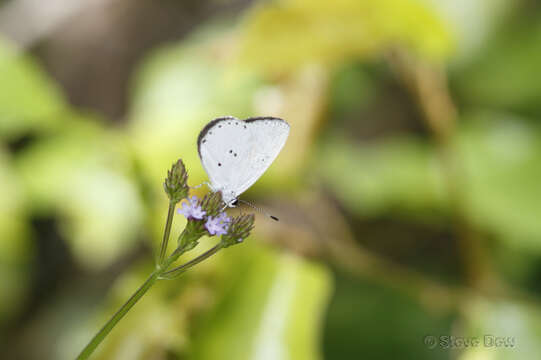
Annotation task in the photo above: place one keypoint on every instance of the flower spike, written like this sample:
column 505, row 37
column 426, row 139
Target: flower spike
column 212, row 203
column 176, row 183
column 239, row 229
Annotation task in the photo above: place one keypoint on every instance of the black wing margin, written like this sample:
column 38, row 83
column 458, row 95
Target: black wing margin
column 261, row 118
column 207, row 128
column 211, row 124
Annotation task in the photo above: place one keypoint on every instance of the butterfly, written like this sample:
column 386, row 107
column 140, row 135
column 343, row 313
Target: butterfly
column 235, row 153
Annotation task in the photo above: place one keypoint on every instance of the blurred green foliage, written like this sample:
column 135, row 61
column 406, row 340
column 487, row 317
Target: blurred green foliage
column 30, row 102
column 502, row 75
column 338, row 31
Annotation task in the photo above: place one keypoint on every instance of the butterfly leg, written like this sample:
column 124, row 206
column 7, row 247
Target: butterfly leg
column 198, row 186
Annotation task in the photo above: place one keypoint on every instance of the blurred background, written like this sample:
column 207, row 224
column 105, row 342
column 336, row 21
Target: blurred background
column 408, row 192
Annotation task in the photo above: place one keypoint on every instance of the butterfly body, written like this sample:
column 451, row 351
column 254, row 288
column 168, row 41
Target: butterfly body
column 235, row 153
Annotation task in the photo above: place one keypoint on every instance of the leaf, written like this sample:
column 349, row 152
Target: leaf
column 358, row 318
column 82, row 173
column 272, row 312
column 499, row 155
column 29, row 100
column 282, row 36
column 16, row 250
column 472, row 22
column 505, row 73
column 504, row 330
column 401, row 175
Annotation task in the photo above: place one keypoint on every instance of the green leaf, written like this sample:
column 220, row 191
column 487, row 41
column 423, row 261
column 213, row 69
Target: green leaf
column 282, row 36
column 82, row 173
column 15, row 247
column 501, row 155
column 399, row 174
column 358, row 318
column 505, row 75
column 273, row 311
column 498, row 154
column 505, row 330
column 29, row 100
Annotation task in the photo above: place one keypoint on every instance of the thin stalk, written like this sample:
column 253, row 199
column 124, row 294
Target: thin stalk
column 180, row 269
column 167, row 231
column 98, row 338
column 156, row 275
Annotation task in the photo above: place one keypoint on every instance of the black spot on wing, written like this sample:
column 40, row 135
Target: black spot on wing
column 208, row 127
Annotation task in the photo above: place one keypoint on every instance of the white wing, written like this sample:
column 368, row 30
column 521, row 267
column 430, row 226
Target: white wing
column 235, row 153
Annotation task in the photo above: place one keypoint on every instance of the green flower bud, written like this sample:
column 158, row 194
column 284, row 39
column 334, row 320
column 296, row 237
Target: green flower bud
column 238, row 230
column 212, row 203
column 176, row 184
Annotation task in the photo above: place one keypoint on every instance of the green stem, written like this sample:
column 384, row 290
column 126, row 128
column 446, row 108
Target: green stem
column 167, row 231
column 98, row 338
column 180, row 269
column 156, row 275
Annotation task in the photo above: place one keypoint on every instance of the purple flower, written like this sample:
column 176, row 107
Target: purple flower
column 218, row 225
column 192, row 210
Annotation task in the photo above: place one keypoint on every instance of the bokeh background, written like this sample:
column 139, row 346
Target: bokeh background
column 409, row 190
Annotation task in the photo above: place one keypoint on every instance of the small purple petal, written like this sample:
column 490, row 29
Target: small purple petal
column 216, row 226
column 192, row 210
column 184, row 210
column 198, row 213
column 224, row 218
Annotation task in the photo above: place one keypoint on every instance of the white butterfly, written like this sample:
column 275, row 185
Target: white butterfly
column 235, row 153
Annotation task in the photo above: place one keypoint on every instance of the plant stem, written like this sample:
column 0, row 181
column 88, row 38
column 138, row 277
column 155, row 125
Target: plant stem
column 180, row 269
column 156, row 275
column 167, row 231
column 98, row 338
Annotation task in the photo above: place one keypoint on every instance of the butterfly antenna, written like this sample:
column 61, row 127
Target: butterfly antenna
column 259, row 209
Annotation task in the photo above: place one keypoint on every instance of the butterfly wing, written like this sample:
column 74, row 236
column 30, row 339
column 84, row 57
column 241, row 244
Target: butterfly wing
column 235, row 153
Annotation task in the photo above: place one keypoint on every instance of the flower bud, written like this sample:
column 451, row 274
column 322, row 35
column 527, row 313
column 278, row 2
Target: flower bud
column 212, row 203
column 176, row 183
column 239, row 229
